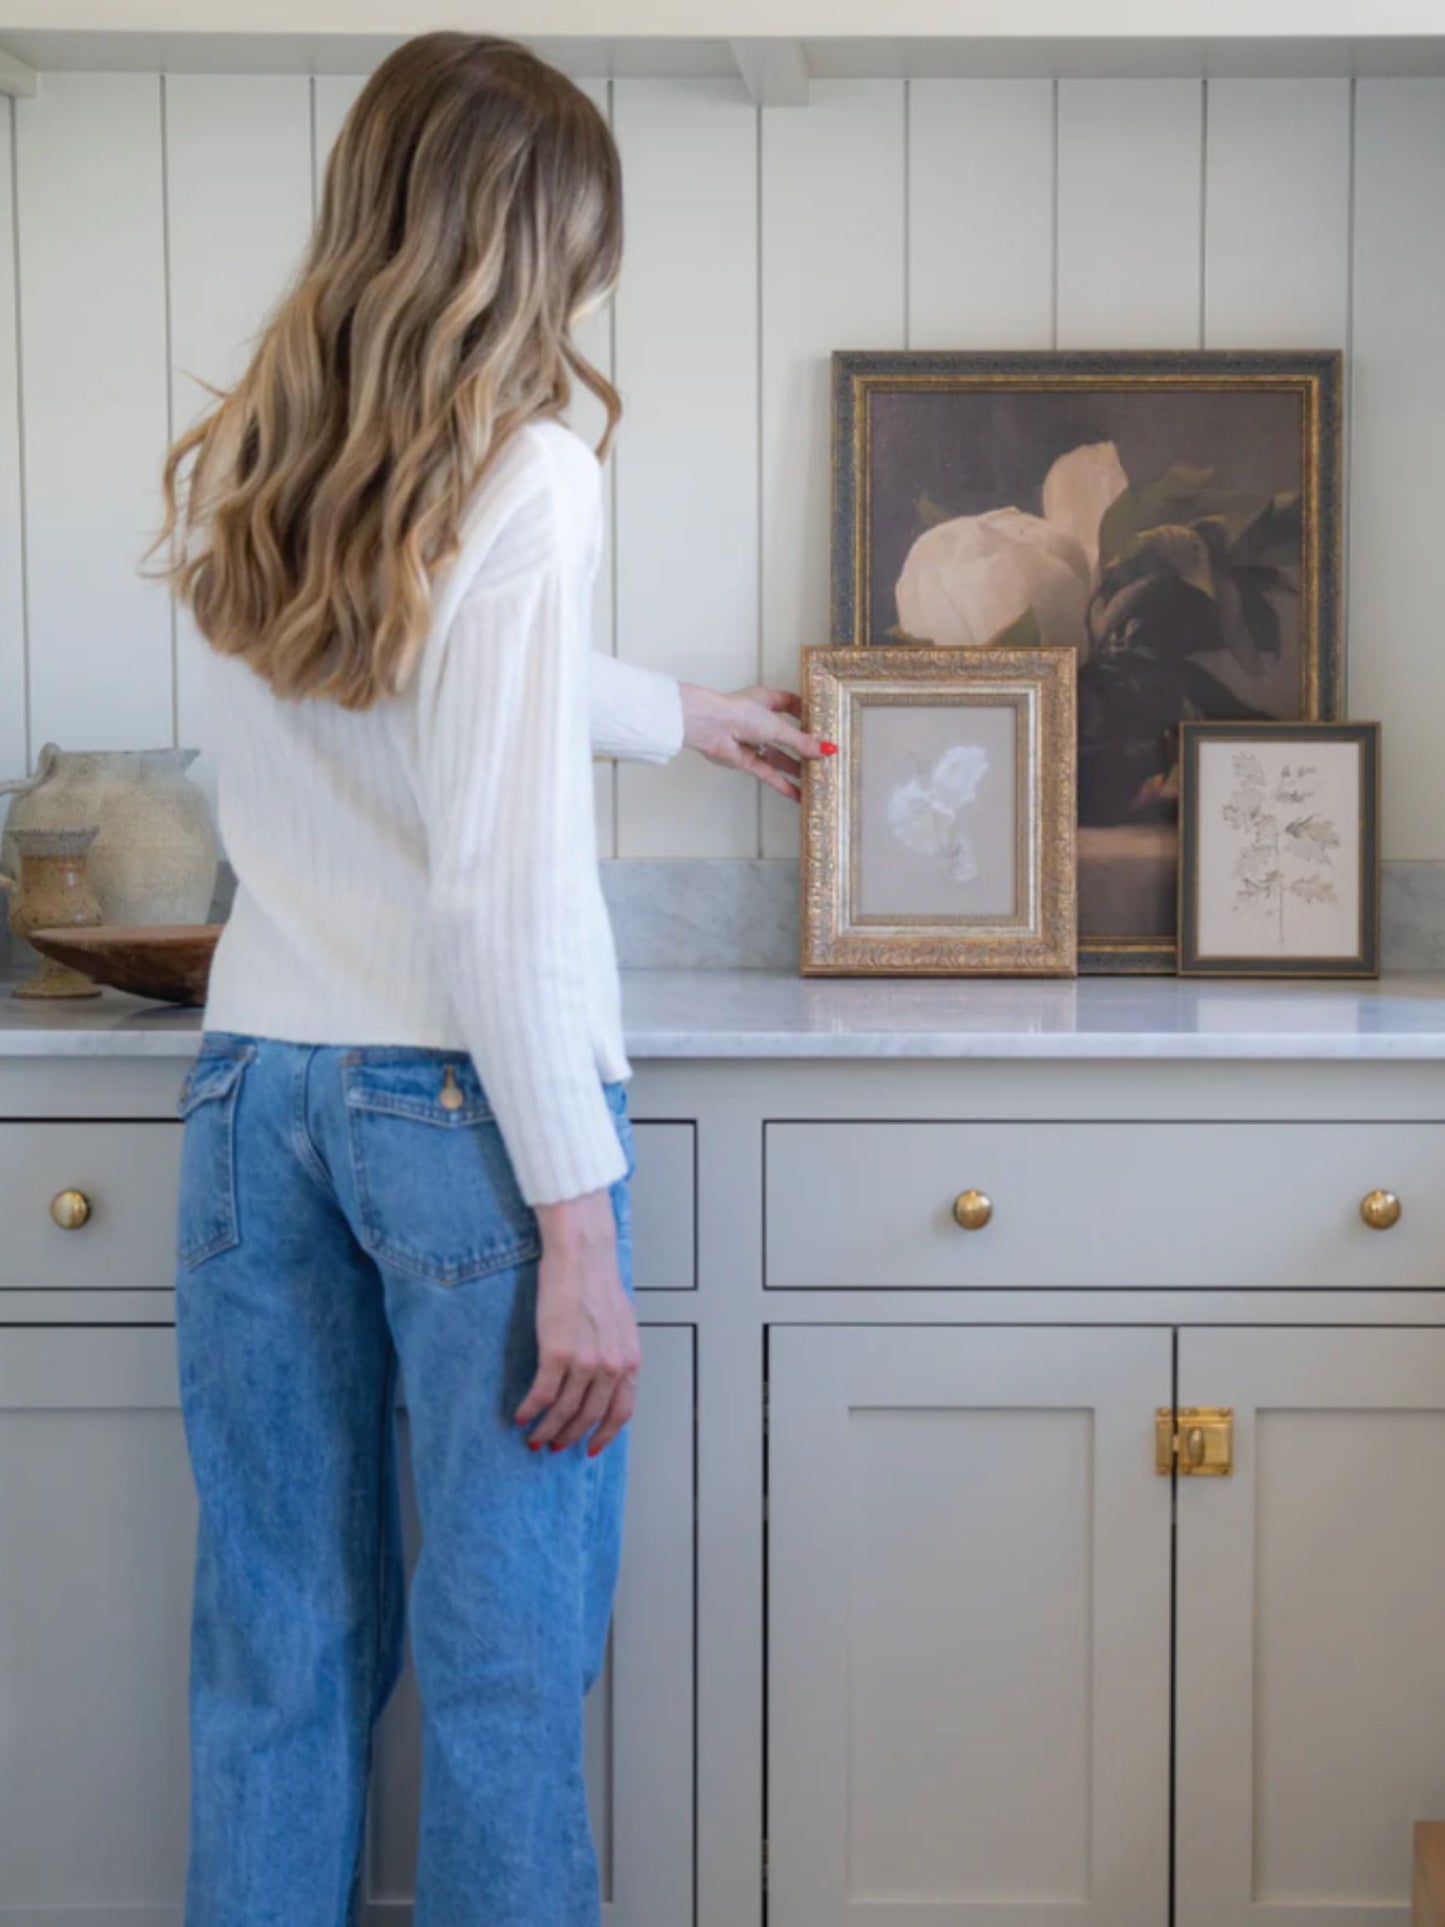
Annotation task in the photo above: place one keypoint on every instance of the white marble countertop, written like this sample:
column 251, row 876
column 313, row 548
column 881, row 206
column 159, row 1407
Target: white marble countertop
column 762, row 1014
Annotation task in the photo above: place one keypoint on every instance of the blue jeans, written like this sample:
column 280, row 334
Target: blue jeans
column 342, row 1214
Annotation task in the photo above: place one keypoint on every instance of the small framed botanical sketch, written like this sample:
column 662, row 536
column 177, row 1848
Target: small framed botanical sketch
column 1279, row 854
column 940, row 840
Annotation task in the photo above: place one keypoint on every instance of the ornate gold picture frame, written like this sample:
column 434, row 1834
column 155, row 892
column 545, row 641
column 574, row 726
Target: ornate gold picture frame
column 940, row 840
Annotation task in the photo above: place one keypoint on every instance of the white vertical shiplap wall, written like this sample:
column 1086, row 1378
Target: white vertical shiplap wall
column 833, row 207
column 981, row 187
column 687, row 458
column 90, row 207
column 1278, row 163
column 146, row 225
column 13, row 746
column 1397, row 663
column 1129, row 267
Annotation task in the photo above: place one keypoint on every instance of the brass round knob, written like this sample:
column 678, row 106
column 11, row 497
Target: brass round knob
column 1380, row 1209
column 972, row 1210
column 70, row 1209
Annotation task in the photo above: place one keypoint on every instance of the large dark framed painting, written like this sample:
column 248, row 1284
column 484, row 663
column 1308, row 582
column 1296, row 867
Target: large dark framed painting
column 1174, row 517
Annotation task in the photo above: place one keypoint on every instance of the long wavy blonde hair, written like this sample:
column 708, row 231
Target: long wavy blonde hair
column 472, row 209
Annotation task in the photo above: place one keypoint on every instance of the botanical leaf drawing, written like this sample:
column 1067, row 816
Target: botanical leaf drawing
column 1314, row 837
column 1272, row 845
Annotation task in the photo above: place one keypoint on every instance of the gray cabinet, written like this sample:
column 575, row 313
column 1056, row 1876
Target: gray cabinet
column 97, row 1538
column 128, row 1172
column 128, row 1169
column 1311, row 1626
column 864, row 1204
column 97, row 1527
column 970, row 1643
column 909, row 1626
column 968, row 1629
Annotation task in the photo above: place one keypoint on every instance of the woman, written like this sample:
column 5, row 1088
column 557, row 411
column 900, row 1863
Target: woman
column 406, row 1140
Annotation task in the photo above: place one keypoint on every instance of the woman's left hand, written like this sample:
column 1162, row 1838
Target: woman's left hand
column 751, row 729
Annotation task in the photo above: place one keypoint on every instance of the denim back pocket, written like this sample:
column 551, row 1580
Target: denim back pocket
column 434, row 1185
column 207, row 1218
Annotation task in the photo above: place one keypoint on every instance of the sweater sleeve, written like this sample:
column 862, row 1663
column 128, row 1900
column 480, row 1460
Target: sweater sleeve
column 504, row 775
column 636, row 713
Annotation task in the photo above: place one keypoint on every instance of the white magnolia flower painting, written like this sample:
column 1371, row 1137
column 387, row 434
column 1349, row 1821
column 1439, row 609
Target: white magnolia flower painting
column 928, row 814
column 938, row 813
column 1172, row 593
column 967, row 580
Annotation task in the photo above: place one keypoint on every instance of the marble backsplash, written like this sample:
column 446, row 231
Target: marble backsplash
column 711, row 914
column 732, row 914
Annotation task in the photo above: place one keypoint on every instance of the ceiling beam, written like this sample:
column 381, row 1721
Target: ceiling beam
column 775, row 72
column 16, row 77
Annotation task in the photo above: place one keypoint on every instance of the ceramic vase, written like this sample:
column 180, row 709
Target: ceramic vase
column 52, row 890
column 154, row 856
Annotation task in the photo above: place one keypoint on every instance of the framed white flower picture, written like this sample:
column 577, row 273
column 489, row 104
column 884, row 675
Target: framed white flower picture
column 1172, row 517
column 1279, row 871
column 940, row 840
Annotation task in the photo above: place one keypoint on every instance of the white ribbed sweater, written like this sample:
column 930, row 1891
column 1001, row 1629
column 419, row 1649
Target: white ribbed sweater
column 425, row 871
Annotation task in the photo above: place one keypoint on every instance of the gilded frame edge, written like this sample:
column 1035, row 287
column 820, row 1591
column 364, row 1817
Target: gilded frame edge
column 829, row 949
column 1318, row 372
column 1366, row 966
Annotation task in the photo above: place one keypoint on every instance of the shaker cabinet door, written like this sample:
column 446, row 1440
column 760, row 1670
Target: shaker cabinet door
column 640, row 1741
column 968, row 1626
column 97, row 1544
column 97, row 1509
column 1311, row 1627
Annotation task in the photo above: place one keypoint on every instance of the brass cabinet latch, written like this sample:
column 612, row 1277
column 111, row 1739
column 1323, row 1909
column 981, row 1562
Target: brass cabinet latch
column 1197, row 1441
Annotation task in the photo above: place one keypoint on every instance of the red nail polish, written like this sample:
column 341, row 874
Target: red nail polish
column 558, row 1446
column 535, row 1445
column 830, row 749
column 593, row 1450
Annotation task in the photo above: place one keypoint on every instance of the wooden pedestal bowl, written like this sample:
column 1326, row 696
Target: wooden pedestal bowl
column 170, row 962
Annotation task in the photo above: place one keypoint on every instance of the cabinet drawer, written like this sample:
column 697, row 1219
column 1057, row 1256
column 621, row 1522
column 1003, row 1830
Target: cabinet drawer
column 664, row 1207
column 1102, row 1205
column 129, row 1171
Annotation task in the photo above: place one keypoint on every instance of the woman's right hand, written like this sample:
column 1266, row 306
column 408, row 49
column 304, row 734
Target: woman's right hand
column 754, row 730
column 589, row 1353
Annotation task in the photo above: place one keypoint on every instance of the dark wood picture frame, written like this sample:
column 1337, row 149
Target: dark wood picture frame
column 1364, row 962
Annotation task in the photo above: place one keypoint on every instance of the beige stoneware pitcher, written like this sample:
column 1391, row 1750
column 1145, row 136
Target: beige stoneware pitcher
column 154, row 859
